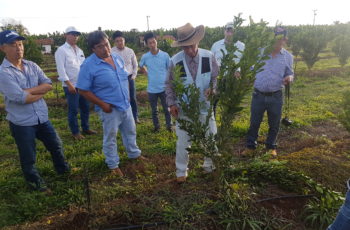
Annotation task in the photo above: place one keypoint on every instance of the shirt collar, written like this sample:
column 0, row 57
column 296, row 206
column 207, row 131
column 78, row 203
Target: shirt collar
column 190, row 59
column 6, row 63
column 96, row 59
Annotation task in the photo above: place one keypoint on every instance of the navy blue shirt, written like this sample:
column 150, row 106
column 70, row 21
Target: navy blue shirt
column 13, row 82
column 108, row 84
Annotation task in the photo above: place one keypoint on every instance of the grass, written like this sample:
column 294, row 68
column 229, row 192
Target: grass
column 145, row 195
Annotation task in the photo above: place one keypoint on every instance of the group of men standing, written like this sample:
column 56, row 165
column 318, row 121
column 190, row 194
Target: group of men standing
column 107, row 79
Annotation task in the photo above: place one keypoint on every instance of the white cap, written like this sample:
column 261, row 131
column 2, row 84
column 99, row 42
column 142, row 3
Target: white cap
column 72, row 29
column 229, row 25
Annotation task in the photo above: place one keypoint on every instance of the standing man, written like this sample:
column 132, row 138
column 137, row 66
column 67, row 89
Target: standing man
column 157, row 64
column 219, row 47
column 103, row 81
column 24, row 85
column 200, row 68
column 68, row 58
column 130, row 62
column 267, row 95
column 219, row 50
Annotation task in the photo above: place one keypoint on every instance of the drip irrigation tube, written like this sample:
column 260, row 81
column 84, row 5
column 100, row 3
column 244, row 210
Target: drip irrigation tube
column 285, row 197
column 143, row 226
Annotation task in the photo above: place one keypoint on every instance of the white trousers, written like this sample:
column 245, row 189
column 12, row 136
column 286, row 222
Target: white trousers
column 183, row 142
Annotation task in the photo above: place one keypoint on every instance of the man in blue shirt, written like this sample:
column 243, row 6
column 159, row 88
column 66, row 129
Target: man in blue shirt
column 157, row 64
column 103, row 80
column 267, row 95
column 24, row 85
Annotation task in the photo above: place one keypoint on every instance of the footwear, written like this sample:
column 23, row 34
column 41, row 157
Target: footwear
column 169, row 129
column 140, row 158
column 89, row 132
column 181, row 179
column 78, row 136
column 40, row 187
column 247, row 152
column 137, row 121
column 117, row 172
column 156, row 130
column 272, row 152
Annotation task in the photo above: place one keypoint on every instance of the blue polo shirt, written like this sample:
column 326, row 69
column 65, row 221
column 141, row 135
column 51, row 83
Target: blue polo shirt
column 157, row 68
column 13, row 82
column 108, row 84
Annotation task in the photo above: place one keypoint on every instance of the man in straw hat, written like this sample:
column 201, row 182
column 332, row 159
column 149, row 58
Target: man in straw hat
column 199, row 66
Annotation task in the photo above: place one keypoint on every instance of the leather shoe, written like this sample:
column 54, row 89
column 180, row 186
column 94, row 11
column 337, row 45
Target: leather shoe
column 78, row 136
column 117, row 172
column 181, row 179
column 89, row 132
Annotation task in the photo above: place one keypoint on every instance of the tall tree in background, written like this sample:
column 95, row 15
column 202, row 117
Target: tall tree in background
column 32, row 51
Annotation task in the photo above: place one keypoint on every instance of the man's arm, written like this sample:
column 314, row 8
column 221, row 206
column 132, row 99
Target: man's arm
column 169, row 92
column 40, row 89
column 134, row 65
column 107, row 108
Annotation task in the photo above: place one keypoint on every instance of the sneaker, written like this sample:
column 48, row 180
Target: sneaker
column 272, row 152
column 137, row 121
column 247, row 152
column 89, row 132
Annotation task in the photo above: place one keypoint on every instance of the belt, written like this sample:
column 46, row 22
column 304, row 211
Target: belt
column 267, row 93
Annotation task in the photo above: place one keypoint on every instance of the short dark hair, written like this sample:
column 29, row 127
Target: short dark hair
column 95, row 37
column 148, row 36
column 117, row 34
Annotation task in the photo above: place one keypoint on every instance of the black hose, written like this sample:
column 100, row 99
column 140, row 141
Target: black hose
column 285, row 197
column 143, row 226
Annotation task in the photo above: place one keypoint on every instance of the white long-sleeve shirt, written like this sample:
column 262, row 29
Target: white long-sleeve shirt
column 68, row 63
column 129, row 59
column 220, row 45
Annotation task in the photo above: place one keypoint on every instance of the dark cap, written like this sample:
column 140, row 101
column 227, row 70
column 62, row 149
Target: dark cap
column 9, row 36
column 280, row 30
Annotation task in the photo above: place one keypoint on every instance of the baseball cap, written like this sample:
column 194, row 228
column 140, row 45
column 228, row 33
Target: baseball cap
column 9, row 36
column 229, row 25
column 280, row 31
column 72, row 30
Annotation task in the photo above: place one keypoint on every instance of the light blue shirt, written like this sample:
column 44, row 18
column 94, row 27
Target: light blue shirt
column 108, row 84
column 157, row 68
column 270, row 79
column 13, row 82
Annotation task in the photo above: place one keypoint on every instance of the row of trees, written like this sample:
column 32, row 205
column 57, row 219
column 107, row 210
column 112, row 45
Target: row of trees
column 306, row 42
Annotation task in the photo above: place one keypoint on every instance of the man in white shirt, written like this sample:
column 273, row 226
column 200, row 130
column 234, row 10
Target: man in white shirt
column 130, row 61
column 219, row 47
column 68, row 58
column 219, row 50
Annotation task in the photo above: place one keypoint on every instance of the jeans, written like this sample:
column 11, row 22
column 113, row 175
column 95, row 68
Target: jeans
column 112, row 122
column 132, row 95
column 25, row 140
column 183, row 143
column 342, row 221
column 153, row 100
column 75, row 102
column 273, row 105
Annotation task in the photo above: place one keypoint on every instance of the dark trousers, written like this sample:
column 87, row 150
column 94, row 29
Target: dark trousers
column 77, row 102
column 153, row 100
column 273, row 105
column 132, row 95
column 25, row 140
